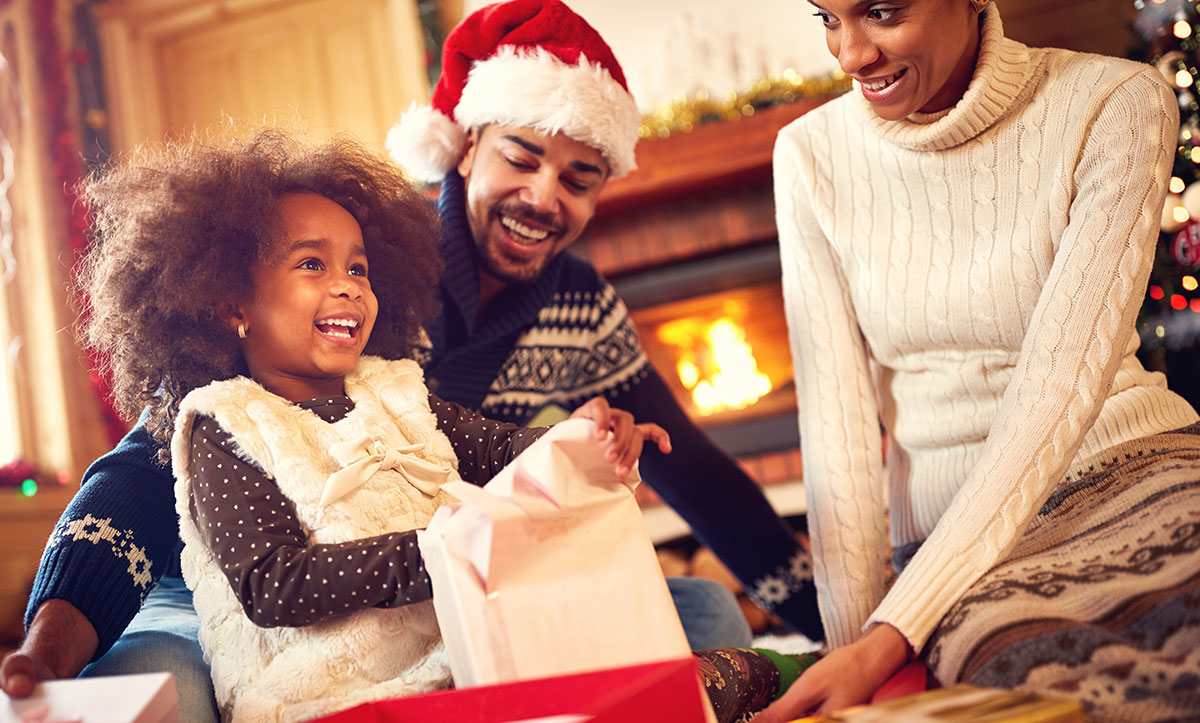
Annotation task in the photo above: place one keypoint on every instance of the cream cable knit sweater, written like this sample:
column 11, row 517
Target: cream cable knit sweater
column 986, row 265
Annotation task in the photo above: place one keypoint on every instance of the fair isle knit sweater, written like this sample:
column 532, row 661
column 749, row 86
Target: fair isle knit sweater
column 971, row 278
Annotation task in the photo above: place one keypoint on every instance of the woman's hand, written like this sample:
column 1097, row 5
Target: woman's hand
column 848, row 676
column 625, row 439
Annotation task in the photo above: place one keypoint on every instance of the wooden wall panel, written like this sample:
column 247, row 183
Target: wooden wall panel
column 1094, row 26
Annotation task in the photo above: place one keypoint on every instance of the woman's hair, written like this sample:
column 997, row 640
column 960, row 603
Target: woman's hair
column 177, row 228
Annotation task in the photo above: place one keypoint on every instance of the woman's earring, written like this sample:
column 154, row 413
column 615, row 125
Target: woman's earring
column 242, row 330
column 980, row 4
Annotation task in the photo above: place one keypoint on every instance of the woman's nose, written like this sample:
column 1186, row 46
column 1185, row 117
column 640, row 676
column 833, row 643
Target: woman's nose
column 855, row 50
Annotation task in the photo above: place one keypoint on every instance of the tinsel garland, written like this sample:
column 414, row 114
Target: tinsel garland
column 67, row 173
column 685, row 113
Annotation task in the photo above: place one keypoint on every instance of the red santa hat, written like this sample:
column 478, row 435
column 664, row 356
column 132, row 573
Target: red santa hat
column 530, row 63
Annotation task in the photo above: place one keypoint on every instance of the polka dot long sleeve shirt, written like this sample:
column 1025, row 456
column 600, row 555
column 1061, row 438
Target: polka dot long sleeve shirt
column 281, row 579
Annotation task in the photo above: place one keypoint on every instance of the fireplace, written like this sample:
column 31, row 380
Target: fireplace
column 689, row 242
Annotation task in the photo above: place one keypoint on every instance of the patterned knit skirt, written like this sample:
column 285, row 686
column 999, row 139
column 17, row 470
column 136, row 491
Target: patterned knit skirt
column 1100, row 600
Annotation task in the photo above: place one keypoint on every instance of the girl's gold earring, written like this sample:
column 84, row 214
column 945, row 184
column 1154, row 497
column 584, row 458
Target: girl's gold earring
column 980, row 4
column 242, row 330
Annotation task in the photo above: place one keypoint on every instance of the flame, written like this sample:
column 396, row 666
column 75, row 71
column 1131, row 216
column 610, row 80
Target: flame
column 720, row 370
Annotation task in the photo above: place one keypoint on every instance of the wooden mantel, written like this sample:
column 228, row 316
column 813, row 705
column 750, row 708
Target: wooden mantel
column 693, row 195
column 710, row 156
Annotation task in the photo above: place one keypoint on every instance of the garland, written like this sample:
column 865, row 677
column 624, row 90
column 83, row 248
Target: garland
column 684, row 114
column 67, row 173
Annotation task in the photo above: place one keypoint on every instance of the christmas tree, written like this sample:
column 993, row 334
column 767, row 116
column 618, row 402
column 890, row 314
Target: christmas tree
column 1169, row 324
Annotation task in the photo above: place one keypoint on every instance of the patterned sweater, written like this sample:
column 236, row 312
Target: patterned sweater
column 972, row 278
column 567, row 337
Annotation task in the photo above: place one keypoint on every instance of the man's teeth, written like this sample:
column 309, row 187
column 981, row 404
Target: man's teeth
column 881, row 84
column 522, row 230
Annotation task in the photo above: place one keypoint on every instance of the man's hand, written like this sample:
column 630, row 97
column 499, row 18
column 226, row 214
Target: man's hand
column 60, row 643
column 848, row 676
column 625, row 439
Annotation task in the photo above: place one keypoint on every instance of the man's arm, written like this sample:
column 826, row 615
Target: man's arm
column 112, row 543
column 59, row 644
column 726, row 509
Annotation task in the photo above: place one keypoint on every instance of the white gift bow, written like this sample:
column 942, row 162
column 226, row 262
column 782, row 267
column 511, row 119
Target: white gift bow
column 363, row 457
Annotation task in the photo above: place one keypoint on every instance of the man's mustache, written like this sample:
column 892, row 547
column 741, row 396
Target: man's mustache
column 523, row 212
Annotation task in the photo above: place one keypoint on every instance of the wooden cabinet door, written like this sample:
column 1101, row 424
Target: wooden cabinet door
column 320, row 65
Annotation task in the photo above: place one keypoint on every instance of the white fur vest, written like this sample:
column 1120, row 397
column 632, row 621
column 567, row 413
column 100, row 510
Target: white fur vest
column 269, row 674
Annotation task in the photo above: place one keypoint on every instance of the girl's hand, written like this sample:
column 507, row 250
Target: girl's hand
column 625, row 439
column 848, row 676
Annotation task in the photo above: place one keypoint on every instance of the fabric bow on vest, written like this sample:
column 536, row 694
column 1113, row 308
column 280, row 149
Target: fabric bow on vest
column 363, row 457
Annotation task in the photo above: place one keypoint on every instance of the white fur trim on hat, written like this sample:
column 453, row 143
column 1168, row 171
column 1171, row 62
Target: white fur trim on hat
column 533, row 88
column 426, row 143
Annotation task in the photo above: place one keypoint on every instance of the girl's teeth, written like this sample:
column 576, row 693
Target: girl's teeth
column 521, row 229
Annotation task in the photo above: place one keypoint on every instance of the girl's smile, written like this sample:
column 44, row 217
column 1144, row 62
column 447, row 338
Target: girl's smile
column 312, row 309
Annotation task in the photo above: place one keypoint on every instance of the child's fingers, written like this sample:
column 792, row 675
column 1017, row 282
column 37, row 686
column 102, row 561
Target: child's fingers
column 632, row 452
column 623, row 431
column 597, row 410
column 658, row 435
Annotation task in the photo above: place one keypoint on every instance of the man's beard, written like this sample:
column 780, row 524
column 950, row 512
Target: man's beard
column 498, row 268
column 496, row 265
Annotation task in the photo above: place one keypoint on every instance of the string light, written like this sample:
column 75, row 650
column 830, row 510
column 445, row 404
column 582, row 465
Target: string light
column 1182, row 29
column 1180, row 214
column 1183, row 78
column 1177, row 184
column 1190, row 283
column 29, row 487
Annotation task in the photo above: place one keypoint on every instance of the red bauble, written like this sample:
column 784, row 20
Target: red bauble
column 1185, row 246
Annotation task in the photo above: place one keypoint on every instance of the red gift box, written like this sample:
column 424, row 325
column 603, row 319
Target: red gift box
column 651, row 693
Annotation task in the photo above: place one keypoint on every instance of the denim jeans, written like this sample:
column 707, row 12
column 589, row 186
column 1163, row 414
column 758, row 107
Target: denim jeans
column 162, row 636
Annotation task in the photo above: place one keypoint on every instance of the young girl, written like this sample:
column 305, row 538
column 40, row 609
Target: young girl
column 235, row 290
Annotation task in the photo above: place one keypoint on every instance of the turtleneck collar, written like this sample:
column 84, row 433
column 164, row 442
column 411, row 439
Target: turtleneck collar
column 1003, row 71
column 512, row 308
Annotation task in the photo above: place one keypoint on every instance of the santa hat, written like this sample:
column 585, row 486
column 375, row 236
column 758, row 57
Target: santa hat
column 530, row 63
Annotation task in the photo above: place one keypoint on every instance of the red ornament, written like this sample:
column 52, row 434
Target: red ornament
column 1185, row 246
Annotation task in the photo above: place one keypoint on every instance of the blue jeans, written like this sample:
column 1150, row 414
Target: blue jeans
column 709, row 613
column 162, row 636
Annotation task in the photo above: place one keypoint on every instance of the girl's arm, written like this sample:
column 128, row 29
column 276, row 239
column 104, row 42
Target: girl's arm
column 252, row 530
column 483, row 446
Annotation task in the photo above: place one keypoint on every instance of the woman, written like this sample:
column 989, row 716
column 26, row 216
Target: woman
column 966, row 239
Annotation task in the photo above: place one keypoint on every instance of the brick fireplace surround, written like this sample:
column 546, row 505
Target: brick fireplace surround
column 698, row 218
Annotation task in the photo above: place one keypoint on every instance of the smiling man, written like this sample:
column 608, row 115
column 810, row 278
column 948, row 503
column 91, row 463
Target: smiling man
column 530, row 119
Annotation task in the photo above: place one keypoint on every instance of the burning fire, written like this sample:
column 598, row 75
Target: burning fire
column 716, row 364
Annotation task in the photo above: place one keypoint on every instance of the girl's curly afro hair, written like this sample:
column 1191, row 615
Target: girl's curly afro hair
column 177, row 229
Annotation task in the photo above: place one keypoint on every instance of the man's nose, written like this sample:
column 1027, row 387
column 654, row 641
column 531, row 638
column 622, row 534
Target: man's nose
column 540, row 191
